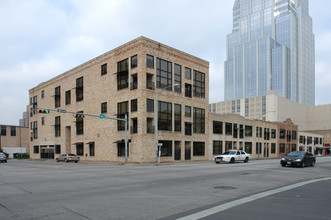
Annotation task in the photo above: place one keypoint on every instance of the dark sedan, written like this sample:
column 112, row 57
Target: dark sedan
column 298, row 158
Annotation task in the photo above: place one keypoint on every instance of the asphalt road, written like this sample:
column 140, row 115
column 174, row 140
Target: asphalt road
column 50, row 190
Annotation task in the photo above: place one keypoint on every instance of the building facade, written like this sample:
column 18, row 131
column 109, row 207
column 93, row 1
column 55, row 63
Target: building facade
column 123, row 81
column 14, row 139
column 271, row 47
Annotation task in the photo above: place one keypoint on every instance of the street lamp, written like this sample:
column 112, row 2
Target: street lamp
column 156, row 120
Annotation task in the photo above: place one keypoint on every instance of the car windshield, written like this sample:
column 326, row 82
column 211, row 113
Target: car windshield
column 232, row 152
column 296, row 154
column 71, row 155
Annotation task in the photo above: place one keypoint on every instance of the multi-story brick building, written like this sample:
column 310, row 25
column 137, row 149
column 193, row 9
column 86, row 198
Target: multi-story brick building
column 14, row 139
column 125, row 80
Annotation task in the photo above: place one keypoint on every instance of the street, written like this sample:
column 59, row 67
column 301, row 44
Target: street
column 49, row 190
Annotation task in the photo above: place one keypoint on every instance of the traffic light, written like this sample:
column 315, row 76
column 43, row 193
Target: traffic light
column 77, row 115
column 43, row 111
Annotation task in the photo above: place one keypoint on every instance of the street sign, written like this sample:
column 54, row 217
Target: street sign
column 61, row 111
column 102, row 116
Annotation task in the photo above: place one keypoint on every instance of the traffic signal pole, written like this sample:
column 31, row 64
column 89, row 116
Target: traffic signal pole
column 101, row 116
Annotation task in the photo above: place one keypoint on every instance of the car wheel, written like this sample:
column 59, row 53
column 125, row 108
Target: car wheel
column 232, row 160
column 303, row 164
column 217, row 162
column 246, row 160
column 57, row 160
column 5, row 161
column 66, row 161
column 313, row 163
column 76, row 161
column 283, row 165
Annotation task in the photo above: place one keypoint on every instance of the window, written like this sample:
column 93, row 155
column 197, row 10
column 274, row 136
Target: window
column 199, row 84
column 266, row 134
column 178, row 78
column 235, row 131
column 281, row 148
column 228, row 145
column 248, row 147
column 134, row 61
column 188, row 128
column 34, row 105
column 163, row 74
column 294, row 135
column 217, row 147
column 302, row 140
column 150, row 61
column 36, row 149
column 58, row 149
column 80, row 149
column 217, row 127
column 34, row 130
column 309, row 140
column 228, row 128
column 258, row 132
column 198, row 120
column 43, row 94
column 198, row 148
column 122, row 109
column 58, row 126
column 79, row 125
column 165, row 116
column 188, row 73
column 188, row 111
column 273, row 133
column 13, row 131
column 178, row 117
column 79, row 89
column 103, row 107
column 241, row 131
column 134, row 127
column 150, row 105
column 122, row 74
column 188, row 90
column 104, row 69
column 68, row 97
column 294, row 147
column 42, row 120
column 134, row 105
column 282, row 134
column 92, row 149
column 3, row 131
column 166, row 149
column 273, row 148
column 57, row 97
column 134, row 82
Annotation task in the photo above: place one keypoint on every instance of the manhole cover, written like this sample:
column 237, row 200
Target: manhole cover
column 225, row 187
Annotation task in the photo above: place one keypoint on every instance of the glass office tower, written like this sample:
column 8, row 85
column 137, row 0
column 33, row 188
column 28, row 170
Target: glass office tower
column 271, row 47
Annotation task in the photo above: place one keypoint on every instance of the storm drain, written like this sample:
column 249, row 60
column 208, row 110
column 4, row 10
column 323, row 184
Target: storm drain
column 225, row 187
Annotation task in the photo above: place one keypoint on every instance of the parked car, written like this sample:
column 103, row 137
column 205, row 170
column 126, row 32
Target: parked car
column 231, row 156
column 298, row 158
column 67, row 158
column 3, row 158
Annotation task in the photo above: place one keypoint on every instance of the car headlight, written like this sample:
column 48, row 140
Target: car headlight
column 283, row 158
column 298, row 160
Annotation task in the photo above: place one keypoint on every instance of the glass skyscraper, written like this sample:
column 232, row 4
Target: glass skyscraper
column 271, row 47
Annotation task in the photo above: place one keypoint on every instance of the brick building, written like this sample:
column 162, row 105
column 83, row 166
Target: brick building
column 125, row 80
column 14, row 139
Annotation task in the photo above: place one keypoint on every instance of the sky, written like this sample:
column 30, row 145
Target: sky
column 41, row 39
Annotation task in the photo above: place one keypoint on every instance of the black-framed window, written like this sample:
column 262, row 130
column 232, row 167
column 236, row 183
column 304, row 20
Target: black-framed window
column 282, row 133
column 178, row 78
column 57, row 149
column 150, row 105
column 163, row 74
column 121, row 149
column 198, row 148
column 58, row 126
column 134, row 61
column 178, row 117
column 248, row 147
column 309, row 140
column 79, row 89
column 165, row 116
column 199, row 84
column 198, row 120
column 273, row 148
column 103, row 69
column 259, row 132
column 188, row 90
column 68, row 97
column 217, row 127
column 80, row 149
column 79, row 125
column 217, row 147
column 36, row 149
column 92, row 149
column 266, row 134
column 228, row 128
column 42, row 94
column 235, row 130
column 248, row 131
column 188, row 111
column 273, row 133
column 134, row 126
column 294, row 135
column 12, row 131
column 150, row 61
column 3, row 131
column 281, row 148
column 134, row 82
column 42, row 120
column 188, row 128
column 57, row 97
column 134, row 105
column 166, row 149
column 188, row 73
column 123, row 74
column 34, row 104
column 104, row 108
column 34, row 129
column 122, row 109
column 241, row 131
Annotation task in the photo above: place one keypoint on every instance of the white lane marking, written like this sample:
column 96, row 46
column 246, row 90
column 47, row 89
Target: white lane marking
column 251, row 198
